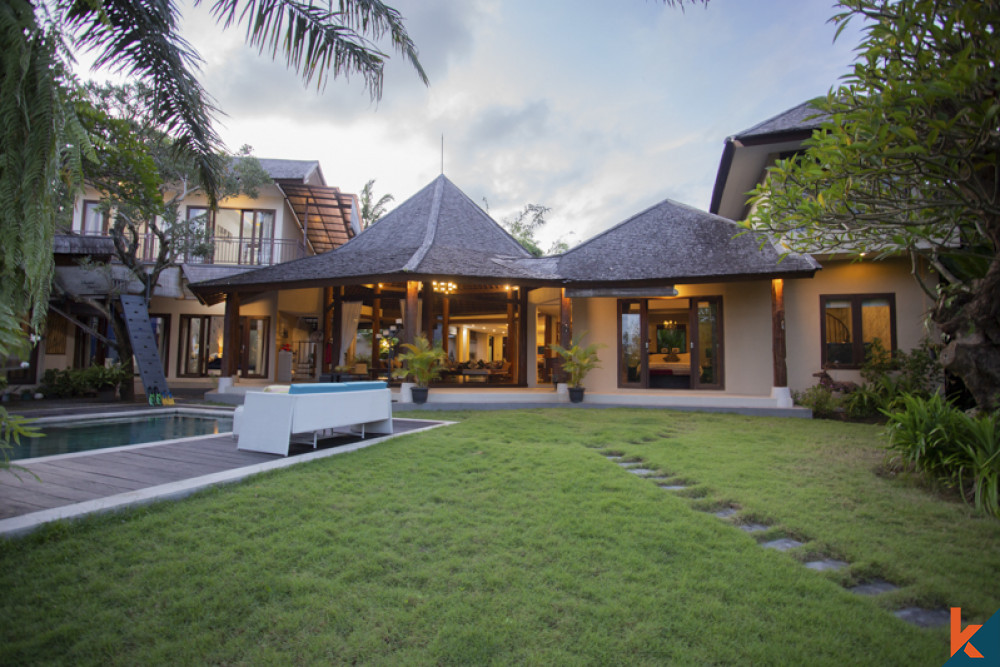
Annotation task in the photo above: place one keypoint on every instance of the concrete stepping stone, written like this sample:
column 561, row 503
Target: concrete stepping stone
column 925, row 618
column 673, row 487
column 874, row 587
column 640, row 471
column 783, row 544
column 726, row 513
column 753, row 527
column 826, row 564
column 629, row 464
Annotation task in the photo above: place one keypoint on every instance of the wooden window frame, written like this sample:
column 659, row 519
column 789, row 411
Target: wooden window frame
column 857, row 342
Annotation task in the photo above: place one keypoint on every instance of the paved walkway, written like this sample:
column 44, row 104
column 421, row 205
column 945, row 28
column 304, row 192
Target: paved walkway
column 73, row 485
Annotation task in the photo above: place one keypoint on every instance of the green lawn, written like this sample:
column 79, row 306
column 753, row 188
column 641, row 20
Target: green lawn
column 509, row 538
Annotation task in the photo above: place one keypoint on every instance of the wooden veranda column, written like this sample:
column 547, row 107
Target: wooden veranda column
column 445, row 307
column 427, row 314
column 565, row 320
column 410, row 319
column 337, row 325
column 376, row 327
column 526, row 338
column 327, row 328
column 231, row 335
column 512, row 335
column 778, row 332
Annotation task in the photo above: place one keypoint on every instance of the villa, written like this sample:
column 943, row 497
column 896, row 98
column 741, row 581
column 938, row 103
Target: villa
column 688, row 310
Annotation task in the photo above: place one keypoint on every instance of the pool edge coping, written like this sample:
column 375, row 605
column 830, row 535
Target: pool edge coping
column 19, row 526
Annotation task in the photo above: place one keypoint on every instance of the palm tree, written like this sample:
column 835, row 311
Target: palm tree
column 43, row 143
column 370, row 213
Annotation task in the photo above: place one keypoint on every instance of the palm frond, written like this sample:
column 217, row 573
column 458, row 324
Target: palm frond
column 141, row 39
column 318, row 43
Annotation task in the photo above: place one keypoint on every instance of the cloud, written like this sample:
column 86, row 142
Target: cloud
column 597, row 111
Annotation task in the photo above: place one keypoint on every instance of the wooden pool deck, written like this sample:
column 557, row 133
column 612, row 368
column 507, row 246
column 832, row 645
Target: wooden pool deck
column 77, row 484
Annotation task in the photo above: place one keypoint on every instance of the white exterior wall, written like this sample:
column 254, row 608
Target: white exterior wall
column 802, row 311
column 746, row 330
column 171, row 299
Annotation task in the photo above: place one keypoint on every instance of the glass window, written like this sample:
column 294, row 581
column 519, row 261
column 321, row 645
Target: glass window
column 93, row 220
column 851, row 323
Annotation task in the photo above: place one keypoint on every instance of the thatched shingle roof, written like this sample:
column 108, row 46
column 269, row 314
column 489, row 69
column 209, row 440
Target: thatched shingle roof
column 672, row 242
column 802, row 118
column 441, row 233
column 438, row 231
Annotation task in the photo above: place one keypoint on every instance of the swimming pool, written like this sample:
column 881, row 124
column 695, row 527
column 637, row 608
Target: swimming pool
column 80, row 434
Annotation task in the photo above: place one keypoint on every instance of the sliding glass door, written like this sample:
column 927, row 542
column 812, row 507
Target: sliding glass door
column 201, row 341
column 670, row 343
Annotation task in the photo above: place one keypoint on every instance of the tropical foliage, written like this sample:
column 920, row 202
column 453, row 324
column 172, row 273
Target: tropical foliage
column 578, row 359
column 949, row 446
column 907, row 161
column 372, row 209
column 421, row 362
column 44, row 143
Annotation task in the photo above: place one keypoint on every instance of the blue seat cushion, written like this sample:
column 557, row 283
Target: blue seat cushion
column 334, row 387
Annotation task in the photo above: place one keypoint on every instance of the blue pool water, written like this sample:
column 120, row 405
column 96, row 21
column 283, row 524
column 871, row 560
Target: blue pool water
column 84, row 435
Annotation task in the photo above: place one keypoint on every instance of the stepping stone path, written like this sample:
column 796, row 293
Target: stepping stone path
column 874, row 587
column 753, row 527
column 826, row 564
column 783, row 544
column 924, row 618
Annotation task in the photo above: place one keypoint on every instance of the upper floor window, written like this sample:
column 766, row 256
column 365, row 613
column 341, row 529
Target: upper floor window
column 239, row 236
column 93, row 220
column 850, row 323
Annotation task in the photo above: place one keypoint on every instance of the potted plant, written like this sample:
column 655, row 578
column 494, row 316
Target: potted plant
column 577, row 362
column 106, row 380
column 422, row 363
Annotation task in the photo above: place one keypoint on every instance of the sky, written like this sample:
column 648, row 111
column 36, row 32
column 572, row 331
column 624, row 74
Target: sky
column 596, row 109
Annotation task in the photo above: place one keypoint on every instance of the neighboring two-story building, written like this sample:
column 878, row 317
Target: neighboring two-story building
column 297, row 216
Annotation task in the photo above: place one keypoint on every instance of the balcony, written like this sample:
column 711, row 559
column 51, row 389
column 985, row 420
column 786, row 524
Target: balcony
column 239, row 252
column 225, row 251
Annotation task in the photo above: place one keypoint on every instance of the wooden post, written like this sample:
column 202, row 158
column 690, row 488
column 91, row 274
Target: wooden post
column 525, row 337
column 376, row 329
column 410, row 320
column 512, row 356
column 778, row 332
column 327, row 328
column 337, row 325
column 445, row 307
column 565, row 320
column 231, row 336
column 427, row 316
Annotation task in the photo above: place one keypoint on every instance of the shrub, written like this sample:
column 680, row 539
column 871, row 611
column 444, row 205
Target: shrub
column 979, row 462
column 865, row 401
column 922, row 434
column 66, row 383
column 820, row 400
column 949, row 446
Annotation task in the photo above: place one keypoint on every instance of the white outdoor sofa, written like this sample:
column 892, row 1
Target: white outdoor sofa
column 267, row 421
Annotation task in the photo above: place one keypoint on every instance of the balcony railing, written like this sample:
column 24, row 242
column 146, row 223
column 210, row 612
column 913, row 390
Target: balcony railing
column 230, row 251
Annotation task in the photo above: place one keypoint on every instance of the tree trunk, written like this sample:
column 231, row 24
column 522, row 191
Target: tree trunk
column 972, row 324
column 124, row 348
